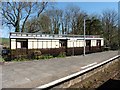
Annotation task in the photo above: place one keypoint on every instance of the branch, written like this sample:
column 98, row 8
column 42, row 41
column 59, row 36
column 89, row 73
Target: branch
column 44, row 4
column 13, row 7
column 11, row 16
column 26, row 18
column 7, row 18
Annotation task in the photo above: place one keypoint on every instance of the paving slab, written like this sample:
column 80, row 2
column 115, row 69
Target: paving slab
column 30, row 74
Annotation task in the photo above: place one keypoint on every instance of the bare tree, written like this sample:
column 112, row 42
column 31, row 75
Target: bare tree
column 93, row 25
column 32, row 25
column 80, row 25
column 67, row 22
column 44, row 23
column 55, row 17
column 74, row 19
column 41, row 6
column 109, row 23
column 17, row 13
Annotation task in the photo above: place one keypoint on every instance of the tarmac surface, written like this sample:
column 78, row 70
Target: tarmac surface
column 31, row 74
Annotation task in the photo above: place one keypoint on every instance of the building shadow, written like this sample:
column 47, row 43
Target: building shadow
column 111, row 84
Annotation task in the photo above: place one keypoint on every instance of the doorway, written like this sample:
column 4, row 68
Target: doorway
column 88, row 44
column 22, row 47
column 63, row 44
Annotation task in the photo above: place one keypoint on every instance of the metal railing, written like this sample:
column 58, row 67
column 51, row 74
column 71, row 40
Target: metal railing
column 51, row 35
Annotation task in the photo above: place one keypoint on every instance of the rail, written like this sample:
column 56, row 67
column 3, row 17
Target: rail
column 50, row 35
column 53, row 83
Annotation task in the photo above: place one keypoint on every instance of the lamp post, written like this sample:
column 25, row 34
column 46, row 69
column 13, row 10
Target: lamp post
column 73, row 46
column 84, row 35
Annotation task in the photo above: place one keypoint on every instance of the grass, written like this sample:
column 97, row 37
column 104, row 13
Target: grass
column 20, row 59
column 5, row 41
column 41, row 57
column 61, row 55
column 45, row 57
column 2, row 59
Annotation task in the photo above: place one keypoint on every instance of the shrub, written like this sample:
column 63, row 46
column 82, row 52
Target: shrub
column 35, row 54
column 20, row 59
column 2, row 59
column 62, row 54
column 45, row 57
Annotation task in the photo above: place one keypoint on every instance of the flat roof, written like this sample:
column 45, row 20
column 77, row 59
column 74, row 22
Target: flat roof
column 16, row 35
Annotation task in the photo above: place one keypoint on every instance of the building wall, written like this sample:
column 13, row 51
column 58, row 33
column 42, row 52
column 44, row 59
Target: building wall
column 18, row 45
column 93, row 42
column 34, row 44
column 82, row 43
column 75, row 43
column 30, row 43
column 52, row 47
column 102, row 42
column 42, row 44
column 13, row 43
column 69, row 43
column 55, row 44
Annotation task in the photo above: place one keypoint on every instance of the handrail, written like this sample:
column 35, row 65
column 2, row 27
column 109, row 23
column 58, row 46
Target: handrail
column 51, row 35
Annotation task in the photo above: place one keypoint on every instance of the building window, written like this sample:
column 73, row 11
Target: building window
column 21, row 43
column 88, row 42
column 63, row 43
column 98, row 42
column 24, row 44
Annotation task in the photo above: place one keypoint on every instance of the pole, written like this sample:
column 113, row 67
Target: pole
column 84, row 38
column 73, row 42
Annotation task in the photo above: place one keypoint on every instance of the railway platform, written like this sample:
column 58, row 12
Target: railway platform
column 31, row 74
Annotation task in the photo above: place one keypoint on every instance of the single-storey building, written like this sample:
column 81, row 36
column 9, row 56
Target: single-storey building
column 24, row 44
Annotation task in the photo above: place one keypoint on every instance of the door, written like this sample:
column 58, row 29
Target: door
column 63, row 45
column 88, row 44
column 99, row 44
column 22, row 47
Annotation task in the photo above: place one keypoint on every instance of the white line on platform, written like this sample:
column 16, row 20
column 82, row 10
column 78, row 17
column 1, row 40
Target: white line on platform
column 75, row 74
column 88, row 65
